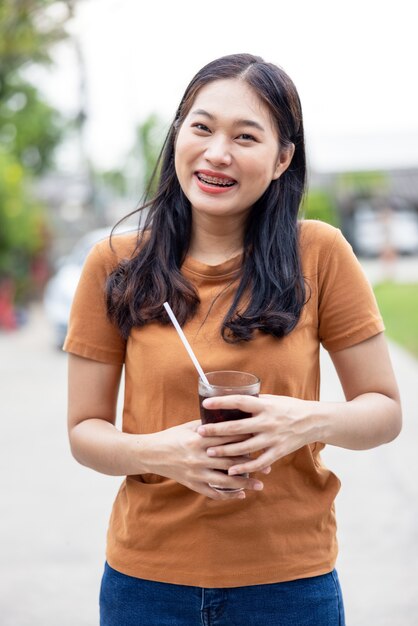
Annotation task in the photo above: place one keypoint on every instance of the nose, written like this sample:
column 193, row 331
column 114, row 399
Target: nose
column 218, row 151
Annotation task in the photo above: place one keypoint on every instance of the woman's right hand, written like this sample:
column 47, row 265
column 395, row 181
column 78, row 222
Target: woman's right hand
column 180, row 453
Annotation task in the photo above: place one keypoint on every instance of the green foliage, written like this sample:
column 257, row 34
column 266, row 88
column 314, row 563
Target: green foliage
column 140, row 163
column 30, row 130
column 28, row 29
column 362, row 183
column 115, row 179
column 148, row 147
column 319, row 204
column 398, row 303
column 22, row 224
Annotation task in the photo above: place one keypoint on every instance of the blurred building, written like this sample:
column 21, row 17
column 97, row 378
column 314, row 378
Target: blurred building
column 377, row 210
column 75, row 207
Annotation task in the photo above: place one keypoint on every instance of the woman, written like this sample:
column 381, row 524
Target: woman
column 255, row 290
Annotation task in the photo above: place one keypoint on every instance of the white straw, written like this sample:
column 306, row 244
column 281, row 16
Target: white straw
column 186, row 343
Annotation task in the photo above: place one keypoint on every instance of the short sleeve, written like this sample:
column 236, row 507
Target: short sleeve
column 90, row 332
column 348, row 311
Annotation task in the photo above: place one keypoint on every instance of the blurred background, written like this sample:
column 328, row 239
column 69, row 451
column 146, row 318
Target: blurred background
column 88, row 89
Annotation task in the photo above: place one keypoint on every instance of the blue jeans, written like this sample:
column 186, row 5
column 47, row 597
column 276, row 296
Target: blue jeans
column 128, row 601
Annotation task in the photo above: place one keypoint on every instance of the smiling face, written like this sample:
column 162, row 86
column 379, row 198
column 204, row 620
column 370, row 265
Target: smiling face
column 227, row 149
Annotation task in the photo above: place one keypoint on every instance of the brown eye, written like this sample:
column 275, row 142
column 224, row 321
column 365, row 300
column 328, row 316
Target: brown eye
column 247, row 137
column 201, row 127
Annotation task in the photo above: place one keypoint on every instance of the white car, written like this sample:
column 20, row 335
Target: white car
column 60, row 289
column 372, row 233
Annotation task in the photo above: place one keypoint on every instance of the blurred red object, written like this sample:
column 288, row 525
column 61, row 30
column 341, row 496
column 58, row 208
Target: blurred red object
column 8, row 318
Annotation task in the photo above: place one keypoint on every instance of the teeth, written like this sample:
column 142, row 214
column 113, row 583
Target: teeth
column 213, row 180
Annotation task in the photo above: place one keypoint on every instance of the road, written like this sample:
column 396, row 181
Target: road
column 53, row 512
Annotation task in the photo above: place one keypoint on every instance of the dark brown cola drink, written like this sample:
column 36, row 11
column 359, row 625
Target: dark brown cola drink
column 226, row 383
column 213, row 416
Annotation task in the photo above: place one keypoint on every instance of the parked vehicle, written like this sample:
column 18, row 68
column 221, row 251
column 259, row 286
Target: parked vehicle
column 376, row 232
column 60, row 289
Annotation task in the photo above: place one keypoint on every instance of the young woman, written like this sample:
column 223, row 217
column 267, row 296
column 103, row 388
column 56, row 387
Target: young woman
column 255, row 290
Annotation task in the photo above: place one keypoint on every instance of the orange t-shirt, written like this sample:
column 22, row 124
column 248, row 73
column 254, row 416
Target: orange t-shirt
column 160, row 530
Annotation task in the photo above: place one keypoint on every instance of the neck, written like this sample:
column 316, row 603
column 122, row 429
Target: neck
column 214, row 241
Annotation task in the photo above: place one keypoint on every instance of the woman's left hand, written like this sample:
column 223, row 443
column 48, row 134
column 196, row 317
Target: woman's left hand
column 279, row 425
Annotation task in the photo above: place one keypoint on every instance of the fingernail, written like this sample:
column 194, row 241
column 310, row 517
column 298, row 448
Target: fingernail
column 232, row 472
column 210, row 452
column 241, row 495
column 258, row 486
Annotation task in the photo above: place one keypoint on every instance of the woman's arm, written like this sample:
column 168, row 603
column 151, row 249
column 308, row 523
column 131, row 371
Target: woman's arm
column 372, row 414
column 280, row 425
column 178, row 452
column 92, row 397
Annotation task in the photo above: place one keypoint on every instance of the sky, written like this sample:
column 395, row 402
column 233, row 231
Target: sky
column 353, row 63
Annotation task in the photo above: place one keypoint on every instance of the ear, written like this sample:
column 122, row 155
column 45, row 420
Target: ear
column 285, row 159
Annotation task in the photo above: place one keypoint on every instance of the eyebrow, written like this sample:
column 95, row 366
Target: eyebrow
column 251, row 123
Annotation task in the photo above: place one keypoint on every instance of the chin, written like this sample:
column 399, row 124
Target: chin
column 218, row 211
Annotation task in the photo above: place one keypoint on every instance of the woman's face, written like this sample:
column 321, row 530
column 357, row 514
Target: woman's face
column 227, row 149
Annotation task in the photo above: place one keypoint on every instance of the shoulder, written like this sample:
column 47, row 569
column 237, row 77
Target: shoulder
column 112, row 250
column 317, row 240
column 317, row 233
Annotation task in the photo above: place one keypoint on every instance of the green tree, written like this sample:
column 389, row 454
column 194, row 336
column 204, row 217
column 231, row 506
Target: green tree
column 22, row 225
column 30, row 129
column 134, row 177
column 363, row 183
column 28, row 30
column 320, row 204
column 147, row 149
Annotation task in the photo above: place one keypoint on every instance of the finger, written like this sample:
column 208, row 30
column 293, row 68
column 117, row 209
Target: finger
column 265, row 470
column 246, row 426
column 195, row 424
column 253, row 465
column 207, row 442
column 223, row 463
column 243, row 448
column 240, row 462
column 249, row 404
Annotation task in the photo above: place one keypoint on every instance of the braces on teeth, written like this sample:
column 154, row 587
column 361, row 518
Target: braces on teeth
column 216, row 181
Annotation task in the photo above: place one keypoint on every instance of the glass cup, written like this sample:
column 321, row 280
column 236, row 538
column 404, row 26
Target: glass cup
column 226, row 383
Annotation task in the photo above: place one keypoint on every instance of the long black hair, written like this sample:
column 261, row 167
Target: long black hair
column 271, row 270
